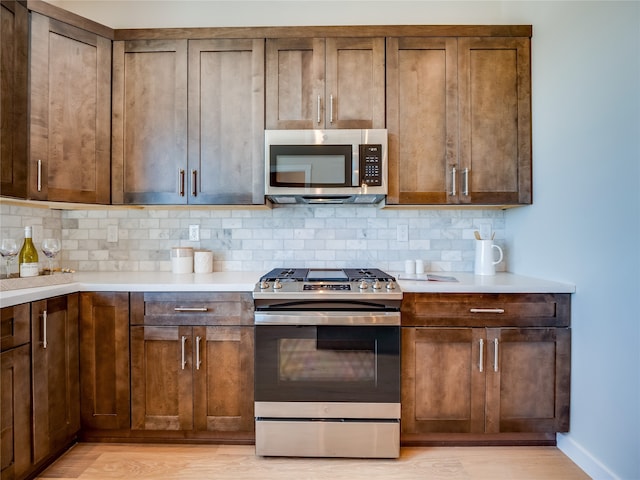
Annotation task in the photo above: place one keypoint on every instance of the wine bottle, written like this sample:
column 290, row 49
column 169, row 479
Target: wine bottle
column 28, row 257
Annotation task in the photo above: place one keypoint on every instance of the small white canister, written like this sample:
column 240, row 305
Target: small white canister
column 203, row 261
column 182, row 260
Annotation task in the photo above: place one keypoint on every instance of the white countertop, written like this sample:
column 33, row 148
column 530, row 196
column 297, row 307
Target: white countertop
column 245, row 281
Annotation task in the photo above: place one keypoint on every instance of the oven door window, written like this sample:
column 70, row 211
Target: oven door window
column 327, row 363
column 311, row 166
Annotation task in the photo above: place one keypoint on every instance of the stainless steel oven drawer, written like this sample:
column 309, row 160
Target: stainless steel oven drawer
column 328, row 438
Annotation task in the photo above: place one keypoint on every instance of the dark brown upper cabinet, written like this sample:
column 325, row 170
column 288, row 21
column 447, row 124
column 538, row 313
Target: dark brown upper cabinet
column 14, row 51
column 325, row 83
column 188, row 121
column 70, row 89
column 459, row 120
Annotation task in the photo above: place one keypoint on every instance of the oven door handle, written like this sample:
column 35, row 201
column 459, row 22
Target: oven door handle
column 326, row 318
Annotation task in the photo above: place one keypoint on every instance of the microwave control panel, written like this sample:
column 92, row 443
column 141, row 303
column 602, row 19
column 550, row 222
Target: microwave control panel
column 371, row 165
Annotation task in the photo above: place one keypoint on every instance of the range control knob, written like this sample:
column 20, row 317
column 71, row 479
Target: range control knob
column 264, row 284
column 363, row 285
column 377, row 285
column 391, row 285
column 277, row 284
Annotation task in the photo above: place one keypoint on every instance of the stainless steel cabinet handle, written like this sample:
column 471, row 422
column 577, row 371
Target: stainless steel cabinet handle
column 198, row 353
column 181, row 182
column 319, row 110
column 495, row 354
column 486, row 310
column 466, row 182
column 44, row 329
column 194, row 183
column 190, row 309
column 330, row 108
column 39, row 176
column 183, row 360
column 454, row 171
column 481, row 362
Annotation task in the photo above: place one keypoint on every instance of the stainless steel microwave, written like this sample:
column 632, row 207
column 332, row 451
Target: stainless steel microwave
column 326, row 166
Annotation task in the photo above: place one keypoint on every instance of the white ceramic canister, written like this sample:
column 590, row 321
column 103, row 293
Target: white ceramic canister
column 203, row 261
column 182, row 260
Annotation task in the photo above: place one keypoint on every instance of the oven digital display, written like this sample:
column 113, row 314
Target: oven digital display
column 330, row 286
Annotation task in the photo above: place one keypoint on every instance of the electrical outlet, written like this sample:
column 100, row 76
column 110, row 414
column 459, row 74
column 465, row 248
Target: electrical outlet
column 403, row 233
column 194, row 233
column 112, row 233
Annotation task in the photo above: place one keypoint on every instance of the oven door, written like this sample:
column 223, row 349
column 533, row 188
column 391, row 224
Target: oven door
column 327, row 363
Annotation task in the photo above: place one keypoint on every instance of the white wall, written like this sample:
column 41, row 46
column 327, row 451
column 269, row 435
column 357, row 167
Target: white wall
column 584, row 225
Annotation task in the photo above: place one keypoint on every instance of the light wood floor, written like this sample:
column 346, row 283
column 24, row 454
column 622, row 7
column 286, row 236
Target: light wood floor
column 88, row 461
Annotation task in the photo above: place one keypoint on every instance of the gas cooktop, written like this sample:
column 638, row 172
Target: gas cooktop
column 327, row 283
column 327, row 275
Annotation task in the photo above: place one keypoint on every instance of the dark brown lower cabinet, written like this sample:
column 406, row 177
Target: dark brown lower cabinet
column 192, row 378
column 104, row 360
column 15, row 393
column 192, row 366
column 491, row 384
column 55, row 375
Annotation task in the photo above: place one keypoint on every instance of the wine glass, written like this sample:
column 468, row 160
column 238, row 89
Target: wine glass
column 50, row 247
column 8, row 250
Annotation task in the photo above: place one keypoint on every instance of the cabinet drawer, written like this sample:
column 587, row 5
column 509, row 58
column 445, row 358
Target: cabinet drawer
column 486, row 309
column 15, row 326
column 192, row 308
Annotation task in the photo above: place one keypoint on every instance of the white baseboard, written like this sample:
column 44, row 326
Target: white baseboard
column 583, row 458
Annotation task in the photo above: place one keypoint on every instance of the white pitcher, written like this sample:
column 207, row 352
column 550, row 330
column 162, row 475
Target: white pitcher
column 485, row 263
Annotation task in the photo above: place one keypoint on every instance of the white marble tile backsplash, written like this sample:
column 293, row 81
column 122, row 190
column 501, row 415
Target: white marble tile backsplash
column 260, row 239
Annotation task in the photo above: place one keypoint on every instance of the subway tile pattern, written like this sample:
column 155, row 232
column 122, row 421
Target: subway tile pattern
column 261, row 239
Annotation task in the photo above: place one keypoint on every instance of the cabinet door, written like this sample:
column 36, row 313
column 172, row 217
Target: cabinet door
column 14, row 48
column 104, row 360
column 223, row 375
column 422, row 120
column 528, row 380
column 149, row 121
column 355, row 80
column 295, row 83
column 70, row 113
column 15, row 404
column 161, row 378
column 442, row 380
column 495, row 120
column 56, row 390
column 226, row 121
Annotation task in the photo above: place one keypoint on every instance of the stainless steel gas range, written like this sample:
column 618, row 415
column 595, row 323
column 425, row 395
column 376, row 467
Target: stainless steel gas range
column 327, row 363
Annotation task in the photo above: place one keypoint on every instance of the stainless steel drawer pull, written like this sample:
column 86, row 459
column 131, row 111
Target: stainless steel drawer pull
column 495, row 354
column 319, row 111
column 44, row 329
column 481, row 364
column 198, row 362
column 190, row 309
column 487, row 310
column 183, row 360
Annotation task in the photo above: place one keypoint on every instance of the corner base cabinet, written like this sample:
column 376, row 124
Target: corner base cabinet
column 485, row 368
